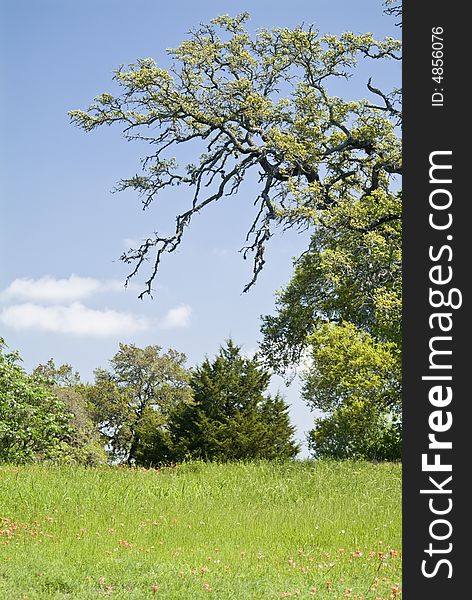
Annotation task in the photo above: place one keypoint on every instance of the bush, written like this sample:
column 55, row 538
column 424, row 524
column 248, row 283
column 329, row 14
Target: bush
column 34, row 424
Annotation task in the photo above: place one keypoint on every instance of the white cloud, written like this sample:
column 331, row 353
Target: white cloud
column 75, row 319
column 177, row 317
column 50, row 289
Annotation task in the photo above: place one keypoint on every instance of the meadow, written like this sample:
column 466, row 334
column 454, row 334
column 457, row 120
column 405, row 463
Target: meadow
column 243, row 531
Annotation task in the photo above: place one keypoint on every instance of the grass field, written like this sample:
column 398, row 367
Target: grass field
column 241, row 531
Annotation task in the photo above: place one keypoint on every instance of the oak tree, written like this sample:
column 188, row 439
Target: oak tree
column 139, row 391
column 257, row 103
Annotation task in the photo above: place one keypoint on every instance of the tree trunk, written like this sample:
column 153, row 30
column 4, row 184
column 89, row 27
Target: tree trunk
column 133, row 449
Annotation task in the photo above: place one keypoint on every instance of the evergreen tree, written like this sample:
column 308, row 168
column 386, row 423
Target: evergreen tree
column 231, row 418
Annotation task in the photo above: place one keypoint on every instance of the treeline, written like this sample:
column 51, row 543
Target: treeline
column 148, row 409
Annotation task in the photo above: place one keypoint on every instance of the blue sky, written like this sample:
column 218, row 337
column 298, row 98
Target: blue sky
column 62, row 231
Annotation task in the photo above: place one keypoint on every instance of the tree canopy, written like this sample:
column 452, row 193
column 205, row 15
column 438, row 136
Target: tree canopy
column 259, row 103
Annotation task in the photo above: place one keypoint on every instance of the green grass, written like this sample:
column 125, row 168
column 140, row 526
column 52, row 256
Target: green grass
column 240, row 531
